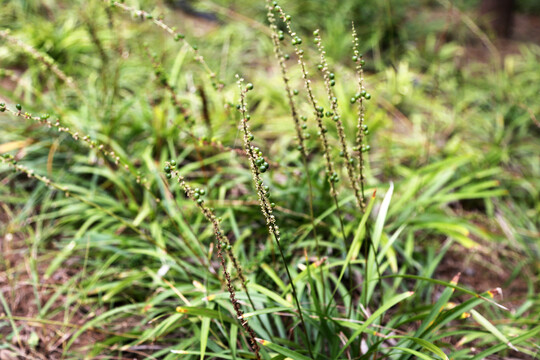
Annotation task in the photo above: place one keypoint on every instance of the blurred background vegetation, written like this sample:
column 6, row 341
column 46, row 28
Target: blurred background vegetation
column 454, row 123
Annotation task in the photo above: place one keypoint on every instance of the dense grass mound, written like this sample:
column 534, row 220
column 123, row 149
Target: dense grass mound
column 265, row 181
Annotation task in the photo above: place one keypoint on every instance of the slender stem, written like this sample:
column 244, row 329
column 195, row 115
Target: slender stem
column 295, row 296
column 312, row 218
column 300, row 135
column 266, row 207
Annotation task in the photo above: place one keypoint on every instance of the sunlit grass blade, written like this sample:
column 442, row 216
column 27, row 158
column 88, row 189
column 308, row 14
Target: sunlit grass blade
column 531, row 334
column 357, row 242
column 381, row 310
column 372, row 271
column 491, row 328
column 283, row 350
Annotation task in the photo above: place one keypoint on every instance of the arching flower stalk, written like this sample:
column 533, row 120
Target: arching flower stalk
column 222, row 245
column 258, row 166
column 329, row 82
column 362, row 128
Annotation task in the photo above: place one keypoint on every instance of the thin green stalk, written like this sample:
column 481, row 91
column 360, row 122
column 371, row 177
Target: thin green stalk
column 221, row 243
column 6, row 158
column 329, row 82
column 362, row 128
column 258, row 165
column 299, row 133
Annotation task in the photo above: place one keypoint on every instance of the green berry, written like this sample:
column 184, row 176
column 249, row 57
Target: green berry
column 320, row 67
column 167, row 169
column 178, row 37
column 353, row 100
column 304, row 126
column 286, row 57
column 18, row 106
column 332, row 76
column 341, row 153
column 367, row 96
column 249, row 86
column 332, row 82
column 288, row 18
column 336, row 118
column 320, row 109
column 262, row 169
column 195, row 47
column 173, row 162
column 168, row 175
column 363, row 93
column 202, row 191
column 304, row 118
column 316, row 32
column 281, row 36
column 362, row 62
column 200, row 201
column 355, row 58
column 251, row 137
column 295, row 92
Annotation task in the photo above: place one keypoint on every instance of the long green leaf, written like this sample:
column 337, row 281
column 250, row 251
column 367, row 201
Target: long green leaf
column 517, row 340
column 381, row 310
column 491, row 328
column 282, row 350
column 357, row 242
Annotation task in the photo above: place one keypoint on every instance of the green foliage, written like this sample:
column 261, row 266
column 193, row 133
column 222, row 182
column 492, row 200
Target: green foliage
column 186, row 216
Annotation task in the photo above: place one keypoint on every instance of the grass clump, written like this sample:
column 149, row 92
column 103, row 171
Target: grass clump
column 129, row 229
